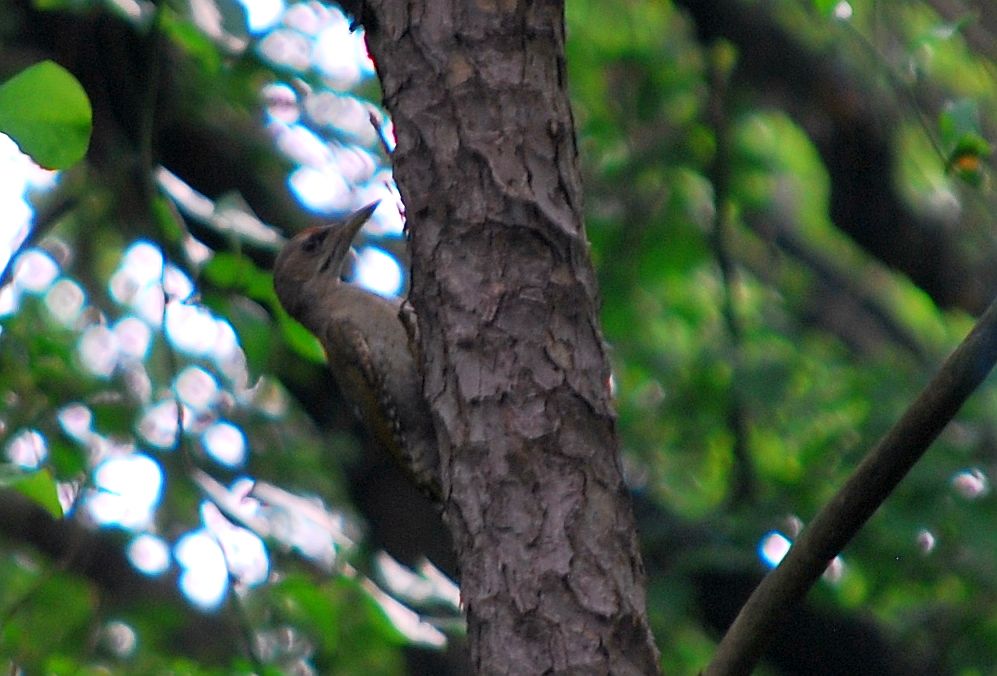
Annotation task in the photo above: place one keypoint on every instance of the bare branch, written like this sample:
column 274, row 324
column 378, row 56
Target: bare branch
column 867, row 488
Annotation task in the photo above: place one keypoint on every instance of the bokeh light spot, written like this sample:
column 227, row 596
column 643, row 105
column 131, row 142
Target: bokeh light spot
column 262, row 14
column 321, row 190
column 177, row 284
column 19, row 174
column 134, row 337
column 27, row 449
column 98, row 350
column 245, row 553
column 344, row 113
column 226, row 443
column 971, row 483
column 190, row 328
column 150, row 554
column 835, row 570
column 773, row 547
column 843, row 11
column 378, row 271
column 128, row 488
column 306, row 17
column 65, row 301
column 302, row 145
column 285, row 47
column 281, row 102
column 196, row 387
column 142, row 264
column 120, row 639
column 35, row 271
column 76, row 421
column 158, row 424
column 204, row 579
column 345, row 67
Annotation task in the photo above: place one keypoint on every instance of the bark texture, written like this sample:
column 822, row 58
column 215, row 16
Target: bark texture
column 516, row 370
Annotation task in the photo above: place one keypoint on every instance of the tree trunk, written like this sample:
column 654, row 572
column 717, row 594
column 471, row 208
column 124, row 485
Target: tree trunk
column 516, row 370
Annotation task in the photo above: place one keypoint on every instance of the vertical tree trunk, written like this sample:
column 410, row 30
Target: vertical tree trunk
column 516, row 370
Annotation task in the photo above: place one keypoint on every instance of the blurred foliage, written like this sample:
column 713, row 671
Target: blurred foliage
column 747, row 390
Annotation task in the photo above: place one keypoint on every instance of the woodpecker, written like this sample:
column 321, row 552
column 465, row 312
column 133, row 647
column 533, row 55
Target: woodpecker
column 369, row 349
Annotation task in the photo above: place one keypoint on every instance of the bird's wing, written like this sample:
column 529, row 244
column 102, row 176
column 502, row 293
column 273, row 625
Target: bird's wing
column 361, row 378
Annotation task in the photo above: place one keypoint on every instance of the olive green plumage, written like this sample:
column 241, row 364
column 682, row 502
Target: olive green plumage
column 366, row 343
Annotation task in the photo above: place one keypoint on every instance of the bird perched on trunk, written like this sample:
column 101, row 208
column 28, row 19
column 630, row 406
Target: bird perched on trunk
column 367, row 345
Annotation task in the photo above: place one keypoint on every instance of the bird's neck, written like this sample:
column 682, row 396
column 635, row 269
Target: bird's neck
column 342, row 299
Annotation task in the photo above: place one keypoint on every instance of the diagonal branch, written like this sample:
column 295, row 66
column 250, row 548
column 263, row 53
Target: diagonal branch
column 867, row 488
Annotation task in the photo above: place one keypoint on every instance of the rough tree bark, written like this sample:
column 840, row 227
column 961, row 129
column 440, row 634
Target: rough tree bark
column 516, row 370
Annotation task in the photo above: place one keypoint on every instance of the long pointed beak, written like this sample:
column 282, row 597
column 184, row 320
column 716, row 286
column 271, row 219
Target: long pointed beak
column 356, row 220
column 341, row 238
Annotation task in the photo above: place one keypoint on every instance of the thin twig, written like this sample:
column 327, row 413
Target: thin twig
column 382, row 135
column 864, row 491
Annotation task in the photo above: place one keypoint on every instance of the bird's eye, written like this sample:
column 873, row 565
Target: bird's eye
column 313, row 242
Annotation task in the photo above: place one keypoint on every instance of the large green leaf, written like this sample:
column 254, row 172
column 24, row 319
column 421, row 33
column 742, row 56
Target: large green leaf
column 45, row 110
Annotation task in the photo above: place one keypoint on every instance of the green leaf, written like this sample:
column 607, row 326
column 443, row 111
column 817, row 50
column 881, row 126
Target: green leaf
column 47, row 113
column 192, row 40
column 299, row 339
column 234, row 272
column 305, row 604
column 67, row 460
column 825, row 7
column 113, row 415
column 39, row 486
column 168, row 220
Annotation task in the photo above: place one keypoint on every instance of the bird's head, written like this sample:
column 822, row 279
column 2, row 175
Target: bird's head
column 313, row 260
